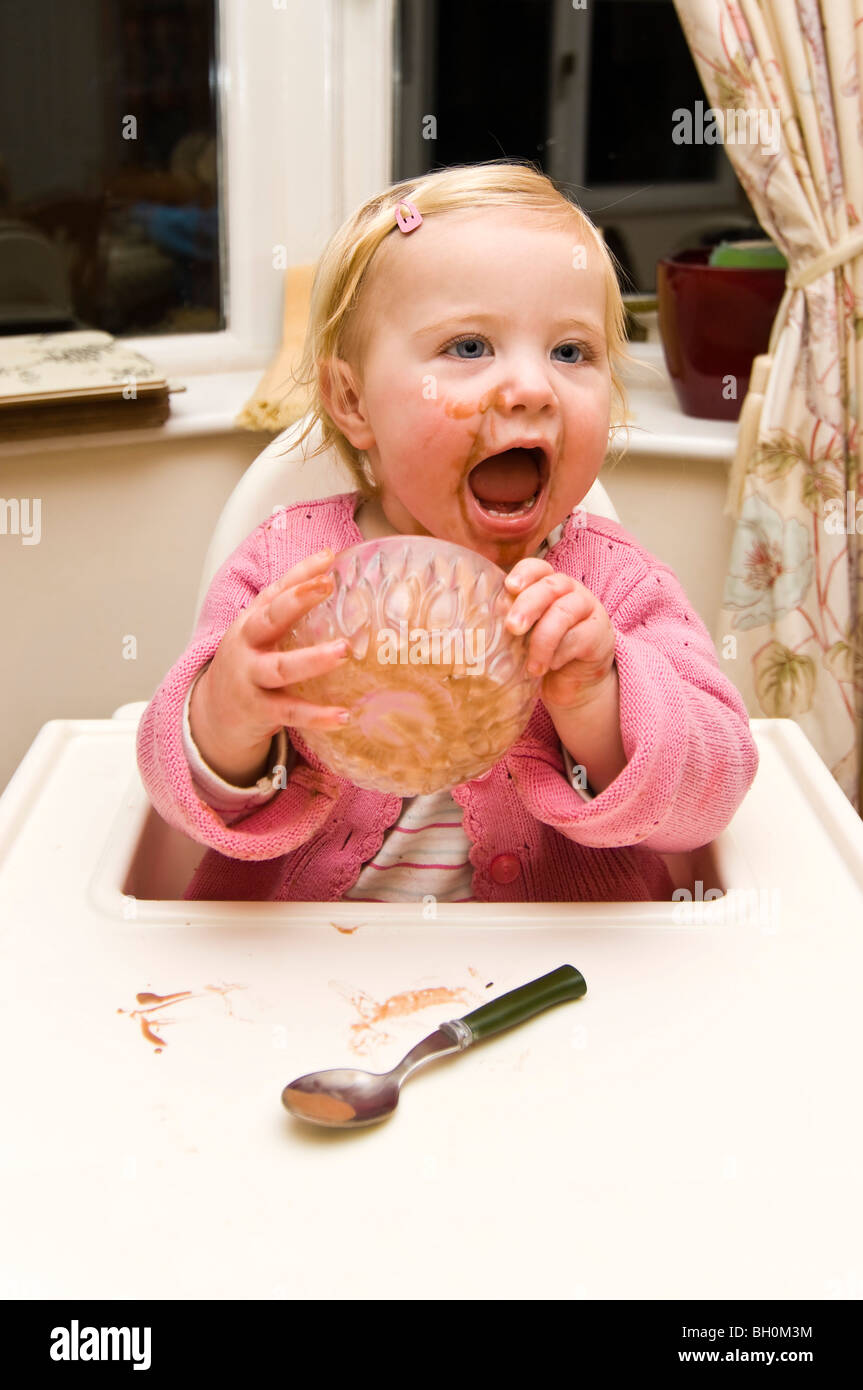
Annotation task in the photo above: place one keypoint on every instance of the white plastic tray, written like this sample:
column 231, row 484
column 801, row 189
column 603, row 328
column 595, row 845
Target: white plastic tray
column 688, row 1129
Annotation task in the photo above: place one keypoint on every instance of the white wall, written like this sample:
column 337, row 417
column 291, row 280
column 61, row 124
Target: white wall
column 124, row 533
column 674, row 507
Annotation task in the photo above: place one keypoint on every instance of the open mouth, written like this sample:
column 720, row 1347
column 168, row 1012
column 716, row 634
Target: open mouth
column 507, row 486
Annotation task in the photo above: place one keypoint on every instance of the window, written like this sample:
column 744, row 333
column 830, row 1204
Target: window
column 303, row 93
column 110, row 167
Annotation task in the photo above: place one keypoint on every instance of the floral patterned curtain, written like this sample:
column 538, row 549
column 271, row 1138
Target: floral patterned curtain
column 792, row 622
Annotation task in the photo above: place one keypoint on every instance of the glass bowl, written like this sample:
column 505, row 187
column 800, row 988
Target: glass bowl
column 437, row 686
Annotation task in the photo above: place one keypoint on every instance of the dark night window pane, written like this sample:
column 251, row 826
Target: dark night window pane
column 109, row 184
column 637, row 46
column 486, row 108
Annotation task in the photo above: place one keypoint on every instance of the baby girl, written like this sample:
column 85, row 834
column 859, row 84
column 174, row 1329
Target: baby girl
column 465, row 338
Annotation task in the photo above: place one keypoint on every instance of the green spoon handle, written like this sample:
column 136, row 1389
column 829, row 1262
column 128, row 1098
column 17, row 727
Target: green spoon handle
column 519, row 1004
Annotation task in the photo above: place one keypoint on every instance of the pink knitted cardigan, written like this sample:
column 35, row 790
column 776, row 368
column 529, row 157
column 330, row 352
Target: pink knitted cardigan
column 691, row 756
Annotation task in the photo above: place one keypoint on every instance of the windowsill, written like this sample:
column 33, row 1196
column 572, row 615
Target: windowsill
column 659, row 427
column 212, row 401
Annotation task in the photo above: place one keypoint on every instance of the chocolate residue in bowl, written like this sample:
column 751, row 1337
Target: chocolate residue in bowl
column 437, row 685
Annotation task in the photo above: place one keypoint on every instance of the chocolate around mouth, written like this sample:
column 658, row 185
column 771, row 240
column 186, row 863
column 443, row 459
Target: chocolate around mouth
column 509, row 480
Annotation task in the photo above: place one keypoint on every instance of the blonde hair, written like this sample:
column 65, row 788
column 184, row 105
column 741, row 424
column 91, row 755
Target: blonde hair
column 344, row 268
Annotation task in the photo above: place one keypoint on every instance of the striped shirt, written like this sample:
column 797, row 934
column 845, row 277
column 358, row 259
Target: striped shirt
column 425, row 852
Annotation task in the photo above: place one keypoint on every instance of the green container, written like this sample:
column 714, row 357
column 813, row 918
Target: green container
column 748, row 255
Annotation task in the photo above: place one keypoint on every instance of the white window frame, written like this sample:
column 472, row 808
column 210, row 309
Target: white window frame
column 305, row 135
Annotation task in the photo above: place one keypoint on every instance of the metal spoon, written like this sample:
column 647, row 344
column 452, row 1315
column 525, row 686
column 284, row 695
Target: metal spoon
column 345, row 1098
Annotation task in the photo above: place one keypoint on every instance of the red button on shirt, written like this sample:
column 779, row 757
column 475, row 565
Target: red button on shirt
column 504, row 868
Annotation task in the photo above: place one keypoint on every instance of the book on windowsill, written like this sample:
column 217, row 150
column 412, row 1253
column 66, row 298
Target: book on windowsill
column 64, row 383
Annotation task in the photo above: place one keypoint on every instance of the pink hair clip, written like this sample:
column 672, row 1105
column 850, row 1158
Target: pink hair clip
column 410, row 223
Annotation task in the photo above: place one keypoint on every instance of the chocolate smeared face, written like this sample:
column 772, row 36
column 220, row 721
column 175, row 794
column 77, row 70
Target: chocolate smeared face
column 484, row 396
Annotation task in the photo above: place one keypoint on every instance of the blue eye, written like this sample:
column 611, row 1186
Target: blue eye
column 567, row 347
column 470, row 340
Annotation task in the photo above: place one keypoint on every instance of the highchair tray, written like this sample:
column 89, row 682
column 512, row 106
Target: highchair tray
column 657, row 1139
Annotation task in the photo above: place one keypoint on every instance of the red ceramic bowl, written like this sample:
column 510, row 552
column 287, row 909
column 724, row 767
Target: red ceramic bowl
column 714, row 320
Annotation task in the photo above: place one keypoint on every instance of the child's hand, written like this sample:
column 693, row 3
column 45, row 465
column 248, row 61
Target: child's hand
column 244, row 696
column 572, row 641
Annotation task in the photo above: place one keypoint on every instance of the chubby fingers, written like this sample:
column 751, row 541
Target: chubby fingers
column 276, row 673
column 273, row 670
column 538, row 593
column 572, row 631
column 277, row 608
column 310, row 568
column 294, row 713
column 525, row 572
column 567, row 622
